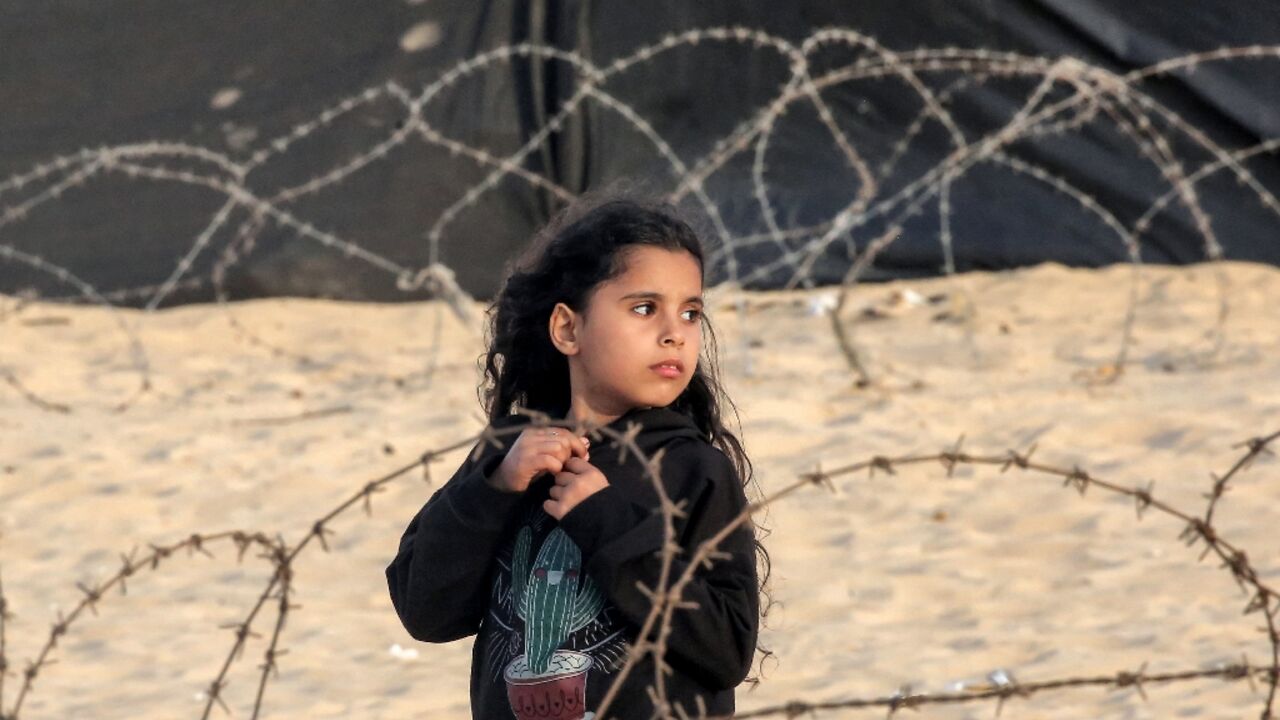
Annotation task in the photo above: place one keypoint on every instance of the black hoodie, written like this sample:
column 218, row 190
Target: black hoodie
column 479, row 561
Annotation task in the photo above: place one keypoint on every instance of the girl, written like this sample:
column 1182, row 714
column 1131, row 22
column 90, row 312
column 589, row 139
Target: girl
column 540, row 550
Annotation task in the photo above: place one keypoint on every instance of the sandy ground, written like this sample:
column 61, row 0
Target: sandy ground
column 914, row 578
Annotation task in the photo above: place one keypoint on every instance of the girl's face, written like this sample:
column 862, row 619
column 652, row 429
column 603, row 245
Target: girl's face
column 649, row 315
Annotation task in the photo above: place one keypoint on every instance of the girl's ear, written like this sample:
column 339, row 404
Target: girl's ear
column 563, row 328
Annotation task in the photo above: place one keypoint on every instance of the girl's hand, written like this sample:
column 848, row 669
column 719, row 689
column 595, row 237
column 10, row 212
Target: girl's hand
column 579, row 480
column 537, row 450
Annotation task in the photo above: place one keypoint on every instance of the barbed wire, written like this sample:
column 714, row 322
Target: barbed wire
column 1068, row 95
column 884, row 194
column 667, row 594
column 1196, row 529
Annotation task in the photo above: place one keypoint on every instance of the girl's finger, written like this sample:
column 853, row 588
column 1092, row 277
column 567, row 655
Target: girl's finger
column 570, row 445
column 548, row 440
column 555, row 491
column 563, row 448
column 542, row 436
column 550, row 462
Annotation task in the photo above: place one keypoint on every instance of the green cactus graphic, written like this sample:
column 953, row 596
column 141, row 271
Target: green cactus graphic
column 555, row 598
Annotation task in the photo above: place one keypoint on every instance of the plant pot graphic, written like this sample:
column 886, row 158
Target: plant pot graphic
column 554, row 599
column 560, row 693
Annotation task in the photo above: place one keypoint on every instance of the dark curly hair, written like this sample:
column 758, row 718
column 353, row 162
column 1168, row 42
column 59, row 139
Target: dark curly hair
column 581, row 247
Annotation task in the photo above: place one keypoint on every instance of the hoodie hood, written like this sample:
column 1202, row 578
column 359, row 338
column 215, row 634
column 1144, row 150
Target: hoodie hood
column 658, row 427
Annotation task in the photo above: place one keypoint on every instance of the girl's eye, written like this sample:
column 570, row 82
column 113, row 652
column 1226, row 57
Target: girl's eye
column 696, row 313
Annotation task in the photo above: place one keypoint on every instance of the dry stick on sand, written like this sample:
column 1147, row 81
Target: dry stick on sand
column 287, row 419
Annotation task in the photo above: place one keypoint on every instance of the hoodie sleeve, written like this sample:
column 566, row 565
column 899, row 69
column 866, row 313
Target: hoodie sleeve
column 439, row 578
column 621, row 544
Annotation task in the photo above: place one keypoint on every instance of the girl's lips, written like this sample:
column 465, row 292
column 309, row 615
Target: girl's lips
column 666, row 371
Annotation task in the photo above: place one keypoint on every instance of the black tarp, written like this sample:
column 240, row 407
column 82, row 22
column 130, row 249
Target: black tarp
column 231, row 77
